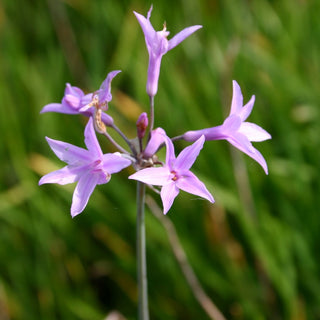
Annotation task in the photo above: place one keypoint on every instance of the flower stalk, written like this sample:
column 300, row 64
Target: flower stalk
column 143, row 310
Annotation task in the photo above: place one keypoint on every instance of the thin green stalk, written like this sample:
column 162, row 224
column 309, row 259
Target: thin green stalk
column 143, row 310
column 151, row 113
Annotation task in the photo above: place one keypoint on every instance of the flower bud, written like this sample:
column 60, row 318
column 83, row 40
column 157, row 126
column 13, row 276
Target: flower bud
column 142, row 125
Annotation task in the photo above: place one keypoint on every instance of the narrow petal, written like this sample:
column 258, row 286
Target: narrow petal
column 154, row 176
column 91, row 140
column 69, row 153
column 157, row 138
column 62, row 176
column 191, row 184
column 246, row 110
column 170, row 156
column 241, row 142
column 179, row 37
column 114, row 162
column 105, row 88
column 188, row 155
column 82, row 192
column 168, row 194
column 59, row 108
column 237, row 99
column 254, row 132
column 147, row 28
column 250, row 150
column 231, row 124
column 214, row 133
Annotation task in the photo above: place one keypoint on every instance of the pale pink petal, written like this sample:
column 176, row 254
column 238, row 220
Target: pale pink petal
column 147, row 28
column 69, row 153
column 214, row 133
column 91, row 140
column 105, row 88
column 246, row 110
column 241, row 142
column 168, row 194
column 170, row 156
column 237, row 99
column 254, row 132
column 62, row 176
column 245, row 146
column 179, row 37
column 82, row 192
column 191, row 184
column 58, row 107
column 188, row 155
column 114, row 162
column 157, row 138
column 154, row 176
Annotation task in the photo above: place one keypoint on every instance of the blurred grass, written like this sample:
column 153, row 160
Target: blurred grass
column 255, row 250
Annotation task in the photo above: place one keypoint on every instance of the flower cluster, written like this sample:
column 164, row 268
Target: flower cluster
column 90, row 167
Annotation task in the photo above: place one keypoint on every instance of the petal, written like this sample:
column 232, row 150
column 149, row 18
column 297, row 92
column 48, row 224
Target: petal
column 106, row 119
column 179, row 37
column 246, row 110
column 74, row 91
column 170, row 156
column 113, row 162
column 91, row 140
column 254, row 132
column 147, row 28
column 231, row 124
column 237, row 99
column 105, row 88
column 69, row 153
column 58, row 107
column 82, row 192
column 241, row 142
column 85, row 100
column 154, row 176
column 245, row 146
column 191, row 184
column 62, row 176
column 188, row 155
column 214, row 133
column 157, row 138
column 168, row 194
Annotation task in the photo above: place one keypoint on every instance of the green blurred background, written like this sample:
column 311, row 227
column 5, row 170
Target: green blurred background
column 255, row 251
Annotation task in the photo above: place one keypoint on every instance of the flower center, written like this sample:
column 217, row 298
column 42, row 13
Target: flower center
column 175, row 175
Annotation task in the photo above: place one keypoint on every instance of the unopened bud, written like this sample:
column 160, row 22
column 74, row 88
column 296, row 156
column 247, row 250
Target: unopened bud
column 142, row 125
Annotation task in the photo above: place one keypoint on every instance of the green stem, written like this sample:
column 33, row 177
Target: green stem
column 151, row 113
column 143, row 311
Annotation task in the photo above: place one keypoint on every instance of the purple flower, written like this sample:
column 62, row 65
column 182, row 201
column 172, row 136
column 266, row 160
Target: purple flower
column 89, row 167
column 175, row 174
column 75, row 101
column 236, row 130
column 157, row 45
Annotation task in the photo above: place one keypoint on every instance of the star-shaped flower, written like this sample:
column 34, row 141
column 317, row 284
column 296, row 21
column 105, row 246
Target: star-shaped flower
column 175, row 174
column 236, row 130
column 89, row 167
column 157, row 45
column 75, row 101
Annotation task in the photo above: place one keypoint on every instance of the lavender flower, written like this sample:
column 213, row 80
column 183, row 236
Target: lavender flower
column 158, row 45
column 175, row 174
column 235, row 130
column 89, row 167
column 75, row 101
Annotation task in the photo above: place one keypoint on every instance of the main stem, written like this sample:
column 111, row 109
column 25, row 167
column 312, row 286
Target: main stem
column 143, row 310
